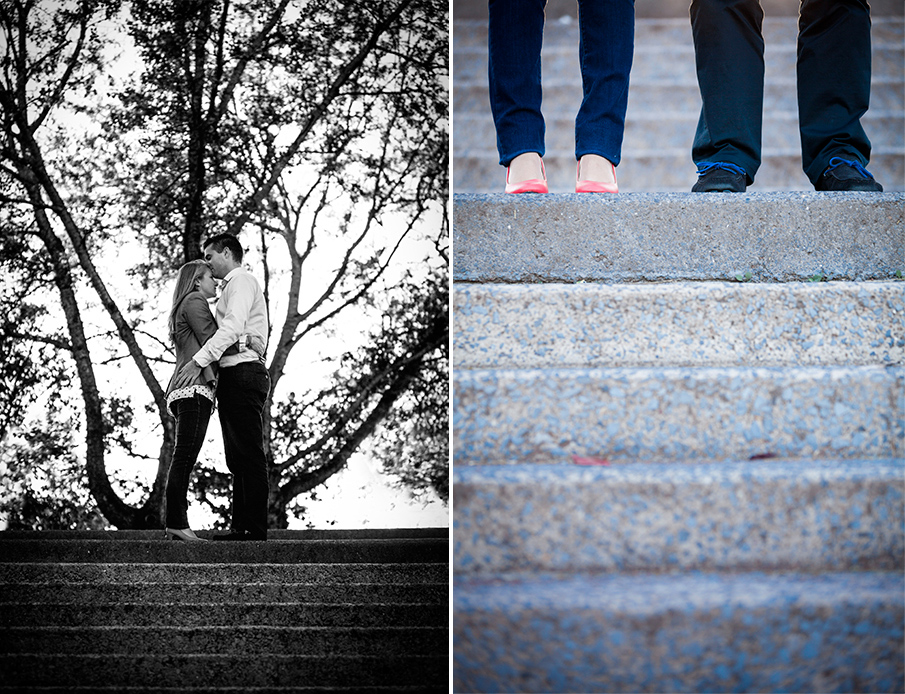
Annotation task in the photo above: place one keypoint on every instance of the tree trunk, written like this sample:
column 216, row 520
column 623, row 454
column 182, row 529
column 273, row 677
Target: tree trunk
column 36, row 179
column 194, row 71
column 113, row 508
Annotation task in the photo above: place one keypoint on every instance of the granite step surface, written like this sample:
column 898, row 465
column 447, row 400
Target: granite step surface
column 815, row 323
column 694, row 632
column 128, row 610
column 679, row 419
column 743, row 515
column 296, row 535
column 651, row 237
column 180, row 672
column 368, row 606
column 677, row 413
column 271, row 551
column 218, row 575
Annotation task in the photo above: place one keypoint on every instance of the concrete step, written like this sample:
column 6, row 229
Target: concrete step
column 297, row 535
column 214, row 575
column 369, row 596
column 633, row 237
column 661, row 414
column 272, row 551
column 732, row 632
column 179, row 672
column 368, row 607
column 511, row 326
column 627, row 415
column 225, row 640
column 273, row 534
column 762, row 515
column 127, row 609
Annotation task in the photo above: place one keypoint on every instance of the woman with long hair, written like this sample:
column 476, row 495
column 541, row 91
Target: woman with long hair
column 191, row 324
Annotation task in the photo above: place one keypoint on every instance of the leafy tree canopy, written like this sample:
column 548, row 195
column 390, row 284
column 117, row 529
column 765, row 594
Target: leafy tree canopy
column 129, row 133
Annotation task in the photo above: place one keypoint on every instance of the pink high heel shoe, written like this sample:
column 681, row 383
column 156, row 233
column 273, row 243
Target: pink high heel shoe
column 595, row 186
column 532, row 185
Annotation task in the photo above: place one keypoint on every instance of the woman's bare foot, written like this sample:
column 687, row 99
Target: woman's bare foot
column 526, row 174
column 595, row 174
column 526, row 167
column 593, row 167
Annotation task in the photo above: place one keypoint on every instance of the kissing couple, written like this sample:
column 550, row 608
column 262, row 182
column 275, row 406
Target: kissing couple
column 219, row 356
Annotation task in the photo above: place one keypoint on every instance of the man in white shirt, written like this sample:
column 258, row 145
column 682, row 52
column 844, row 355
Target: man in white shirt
column 242, row 387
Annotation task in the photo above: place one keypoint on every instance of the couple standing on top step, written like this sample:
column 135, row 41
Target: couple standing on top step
column 219, row 356
column 833, row 92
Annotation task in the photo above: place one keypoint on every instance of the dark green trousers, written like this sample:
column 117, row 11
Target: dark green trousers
column 833, row 82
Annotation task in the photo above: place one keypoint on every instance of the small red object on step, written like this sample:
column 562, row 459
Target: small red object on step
column 578, row 460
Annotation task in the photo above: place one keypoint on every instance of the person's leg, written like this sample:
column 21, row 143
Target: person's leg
column 228, row 430
column 241, row 393
column 192, row 417
column 606, row 46
column 515, row 37
column 834, row 66
column 729, row 56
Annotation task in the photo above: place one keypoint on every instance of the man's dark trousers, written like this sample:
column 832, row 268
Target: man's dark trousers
column 833, row 82
column 242, row 391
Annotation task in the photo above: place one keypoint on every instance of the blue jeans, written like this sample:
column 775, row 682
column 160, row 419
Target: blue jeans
column 242, row 392
column 606, row 46
column 192, row 417
column 833, row 72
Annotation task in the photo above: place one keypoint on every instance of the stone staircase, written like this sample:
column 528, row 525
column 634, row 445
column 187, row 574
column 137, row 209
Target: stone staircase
column 306, row 610
column 679, row 442
column 664, row 101
column 678, row 420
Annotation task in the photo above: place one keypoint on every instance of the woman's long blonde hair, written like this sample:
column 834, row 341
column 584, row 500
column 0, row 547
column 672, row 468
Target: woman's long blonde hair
column 185, row 285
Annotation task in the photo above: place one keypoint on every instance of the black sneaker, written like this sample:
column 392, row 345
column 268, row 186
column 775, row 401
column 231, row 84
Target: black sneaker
column 843, row 174
column 720, row 177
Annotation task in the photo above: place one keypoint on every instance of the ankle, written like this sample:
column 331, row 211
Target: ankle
column 526, row 167
column 593, row 167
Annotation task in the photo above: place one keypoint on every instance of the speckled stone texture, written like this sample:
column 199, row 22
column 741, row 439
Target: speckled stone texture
column 664, row 482
column 777, row 237
column 806, row 515
column 679, row 633
column 650, row 414
column 128, row 611
column 678, row 324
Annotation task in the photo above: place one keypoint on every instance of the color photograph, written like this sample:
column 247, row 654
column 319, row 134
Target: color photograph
column 678, row 346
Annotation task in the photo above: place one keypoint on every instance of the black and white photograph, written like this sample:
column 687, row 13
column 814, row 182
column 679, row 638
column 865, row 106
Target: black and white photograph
column 224, row 389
